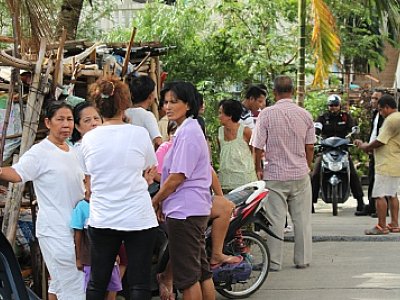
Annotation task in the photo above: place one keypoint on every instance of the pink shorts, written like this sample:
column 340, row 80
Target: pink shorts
column 115, row 284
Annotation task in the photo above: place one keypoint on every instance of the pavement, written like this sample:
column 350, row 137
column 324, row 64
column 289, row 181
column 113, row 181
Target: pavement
column 346, row 263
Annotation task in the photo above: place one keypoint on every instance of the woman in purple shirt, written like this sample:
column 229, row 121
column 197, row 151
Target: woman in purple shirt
column 185, row 195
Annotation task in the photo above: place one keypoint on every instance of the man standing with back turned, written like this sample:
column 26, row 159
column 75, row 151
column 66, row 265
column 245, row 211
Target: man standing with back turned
column 287, row 132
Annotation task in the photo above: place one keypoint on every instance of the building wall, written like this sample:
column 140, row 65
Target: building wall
column 122, row 15
column 387, row 76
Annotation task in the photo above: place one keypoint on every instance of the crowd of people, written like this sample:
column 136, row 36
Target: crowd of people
column 91, row 175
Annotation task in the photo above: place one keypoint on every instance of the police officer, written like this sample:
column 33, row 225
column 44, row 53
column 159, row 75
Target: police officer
column 337, row 123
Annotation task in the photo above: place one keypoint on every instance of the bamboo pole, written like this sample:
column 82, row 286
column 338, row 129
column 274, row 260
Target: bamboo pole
column 158, row 76
column 128, row 53
column 13, row 81
column 7, row 118
column 34, row 105
column 138, row 67
column 152, row 74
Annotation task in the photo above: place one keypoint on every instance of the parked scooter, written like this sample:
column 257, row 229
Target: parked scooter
column 335, row 168
column 243, row 279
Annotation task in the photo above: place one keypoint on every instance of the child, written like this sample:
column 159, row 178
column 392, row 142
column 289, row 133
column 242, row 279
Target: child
column 80, row 216
column 164, row 147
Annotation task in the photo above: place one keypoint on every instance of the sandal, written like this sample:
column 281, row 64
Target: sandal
column 377, row 230
column 230, row 260
column 393, row 229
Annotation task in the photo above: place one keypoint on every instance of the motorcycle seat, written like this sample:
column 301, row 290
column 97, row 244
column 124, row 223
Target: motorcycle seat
column 239, row 197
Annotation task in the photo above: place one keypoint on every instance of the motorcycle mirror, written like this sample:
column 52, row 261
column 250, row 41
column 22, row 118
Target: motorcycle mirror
column 318, row 125
column 355, row 130
column 318, row 128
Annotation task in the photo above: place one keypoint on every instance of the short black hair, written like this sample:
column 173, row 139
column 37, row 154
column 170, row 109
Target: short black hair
column 255, row 91
column 387, row 100
column 283, row 84
column 54, row 106
column 186, row 92
column 231, row 108
column 140, row 87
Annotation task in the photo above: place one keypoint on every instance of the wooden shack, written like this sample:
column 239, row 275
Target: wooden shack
column 68, row 65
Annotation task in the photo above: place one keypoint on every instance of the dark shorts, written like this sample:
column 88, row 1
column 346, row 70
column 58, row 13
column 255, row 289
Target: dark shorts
column 187, row 251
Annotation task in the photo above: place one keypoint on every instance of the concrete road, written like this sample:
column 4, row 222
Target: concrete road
column 340, row 270
column 346, row 263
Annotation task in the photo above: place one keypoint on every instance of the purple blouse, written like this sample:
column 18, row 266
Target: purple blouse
column 188, row 155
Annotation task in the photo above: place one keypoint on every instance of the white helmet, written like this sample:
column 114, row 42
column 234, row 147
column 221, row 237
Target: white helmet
column 334, row 100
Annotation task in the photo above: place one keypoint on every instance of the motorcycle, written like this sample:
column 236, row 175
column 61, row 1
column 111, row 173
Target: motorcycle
column 335, row 168
column 12, row 284
column 240, row 280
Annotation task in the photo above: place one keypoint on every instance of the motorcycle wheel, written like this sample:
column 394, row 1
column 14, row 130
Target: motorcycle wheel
column 255, row 252
column 335, row 200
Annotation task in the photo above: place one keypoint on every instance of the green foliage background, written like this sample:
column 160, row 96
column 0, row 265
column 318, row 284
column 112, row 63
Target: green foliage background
column 223, row 46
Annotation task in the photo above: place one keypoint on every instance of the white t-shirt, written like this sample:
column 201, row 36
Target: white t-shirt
column 140, row 117
column 58, row 181
column 247, row 119
column 115, row 157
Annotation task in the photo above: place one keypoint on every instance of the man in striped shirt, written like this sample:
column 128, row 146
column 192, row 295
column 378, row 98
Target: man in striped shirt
column 287, row 133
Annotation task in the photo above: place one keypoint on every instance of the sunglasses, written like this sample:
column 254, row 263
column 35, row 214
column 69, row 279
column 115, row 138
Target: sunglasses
column 335, row 105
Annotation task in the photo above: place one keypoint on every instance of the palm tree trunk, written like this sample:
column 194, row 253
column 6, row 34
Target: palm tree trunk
column 301, row 53
column 68, row 17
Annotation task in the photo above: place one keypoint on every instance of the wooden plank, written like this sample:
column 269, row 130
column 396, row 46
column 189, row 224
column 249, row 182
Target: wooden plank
column 58, row 66
column 4, row 86
column 6, row 39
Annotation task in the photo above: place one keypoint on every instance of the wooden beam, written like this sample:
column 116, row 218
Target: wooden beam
column 128, row 53
column 6, row 39
column 15, row 62
column 58, row 66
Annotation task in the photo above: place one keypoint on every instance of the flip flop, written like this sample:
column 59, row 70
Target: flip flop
column 393, row 229
column 230, row 260
column 377, row 230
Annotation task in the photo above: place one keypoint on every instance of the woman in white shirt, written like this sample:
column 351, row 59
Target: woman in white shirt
column 58, row 181
column 115, row 156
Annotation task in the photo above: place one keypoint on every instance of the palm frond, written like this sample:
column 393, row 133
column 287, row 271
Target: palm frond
column 36, row 18
column 388, row 12
column 40, row 16
column 325, row 41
